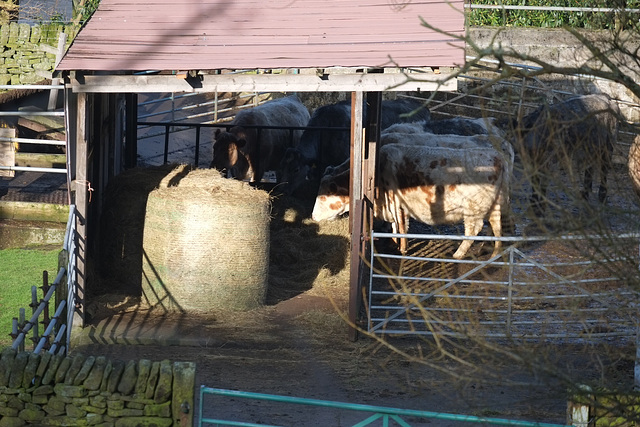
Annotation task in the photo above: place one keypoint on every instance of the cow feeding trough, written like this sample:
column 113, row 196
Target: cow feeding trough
column 205, row 244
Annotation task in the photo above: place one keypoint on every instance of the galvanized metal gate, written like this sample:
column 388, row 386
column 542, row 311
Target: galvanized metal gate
column 522, row 293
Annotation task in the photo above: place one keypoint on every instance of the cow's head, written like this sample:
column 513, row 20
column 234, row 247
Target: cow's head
column 333, row 195
column 294, row 169
column 228, row 155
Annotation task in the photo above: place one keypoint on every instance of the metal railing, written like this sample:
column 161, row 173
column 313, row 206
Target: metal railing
column 56, row 336
column 219, row 110
column 198, row 130
column 551, row 8
column 578, row 298
column 351, row 413
column 33, row 141
column 69, row 246
column 21, row 328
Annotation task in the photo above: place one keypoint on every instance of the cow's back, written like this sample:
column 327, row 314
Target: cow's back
column 437, row 185
column 286, row 112
column 402, row 110
column 587, row 125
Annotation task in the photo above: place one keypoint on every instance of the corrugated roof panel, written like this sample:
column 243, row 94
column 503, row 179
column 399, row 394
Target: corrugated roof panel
column 241, row 34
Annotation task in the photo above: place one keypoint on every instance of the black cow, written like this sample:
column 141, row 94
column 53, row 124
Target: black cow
column 463, row 126
column 580, row 130
column 320, row 148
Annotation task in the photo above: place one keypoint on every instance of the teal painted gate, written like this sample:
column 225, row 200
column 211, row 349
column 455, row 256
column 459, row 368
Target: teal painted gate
column 356, row 415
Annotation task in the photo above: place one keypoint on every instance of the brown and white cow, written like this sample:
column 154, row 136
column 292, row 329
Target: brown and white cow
column 246, row 151
column 434, row 185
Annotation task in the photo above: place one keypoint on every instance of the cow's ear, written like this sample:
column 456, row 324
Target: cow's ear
column 333, row 188
column 241, row 142
column 233, row 154
column 217, row 132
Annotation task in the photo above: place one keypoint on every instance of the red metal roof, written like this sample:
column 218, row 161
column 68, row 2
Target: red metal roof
column 139, row 35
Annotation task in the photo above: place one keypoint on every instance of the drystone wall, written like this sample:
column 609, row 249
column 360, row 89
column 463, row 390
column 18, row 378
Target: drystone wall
column 78, row 390
column 28, row 53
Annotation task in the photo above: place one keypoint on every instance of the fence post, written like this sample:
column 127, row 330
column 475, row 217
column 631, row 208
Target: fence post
column 21, row 323
column 45, row 290
column 34, row 307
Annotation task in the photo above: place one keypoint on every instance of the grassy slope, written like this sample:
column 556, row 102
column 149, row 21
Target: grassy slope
column 19, row 270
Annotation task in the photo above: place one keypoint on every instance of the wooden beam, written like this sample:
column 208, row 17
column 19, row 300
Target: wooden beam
column 375, row 82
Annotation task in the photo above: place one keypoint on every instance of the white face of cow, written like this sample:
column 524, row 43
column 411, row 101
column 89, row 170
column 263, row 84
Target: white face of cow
column 333, row 196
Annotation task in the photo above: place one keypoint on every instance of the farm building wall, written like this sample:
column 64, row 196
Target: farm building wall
column 45, row 389
column 560, row 48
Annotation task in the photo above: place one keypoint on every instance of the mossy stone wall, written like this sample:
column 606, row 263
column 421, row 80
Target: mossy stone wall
column 57, row 390
column 27, row 53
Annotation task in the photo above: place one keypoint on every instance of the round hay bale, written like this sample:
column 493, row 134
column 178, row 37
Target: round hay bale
column 119, row 245
column 206, row 243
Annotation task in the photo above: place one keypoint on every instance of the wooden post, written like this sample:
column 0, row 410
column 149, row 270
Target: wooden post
column 131, row 128
column 22, row 321
column 7, row 152
column 45, row 290
column 373, row 128
column 580, row 409
column 355, row 164
column 82, row 186
column 53, row 93
column 355, row 220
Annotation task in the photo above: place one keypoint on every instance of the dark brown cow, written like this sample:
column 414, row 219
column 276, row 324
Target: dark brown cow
column 580, row 130
column 247, row 151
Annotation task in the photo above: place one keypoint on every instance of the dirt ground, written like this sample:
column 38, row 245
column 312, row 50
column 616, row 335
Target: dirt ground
column 300, row 348
column 298, row 344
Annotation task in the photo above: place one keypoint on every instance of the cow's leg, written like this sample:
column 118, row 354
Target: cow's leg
column 587, row 183
column 602, row 191
column 495, row 221
column 403, row 228
column 538, row 194
column 472, row 227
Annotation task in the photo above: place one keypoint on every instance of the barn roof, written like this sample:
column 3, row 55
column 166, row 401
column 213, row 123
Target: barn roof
column 142, row 35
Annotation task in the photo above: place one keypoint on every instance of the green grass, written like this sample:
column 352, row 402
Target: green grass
column 554, row 18
column 19, row 270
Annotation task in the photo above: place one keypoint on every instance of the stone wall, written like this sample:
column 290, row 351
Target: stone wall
column 558, row 47
column 56, row 390
column 28, row 54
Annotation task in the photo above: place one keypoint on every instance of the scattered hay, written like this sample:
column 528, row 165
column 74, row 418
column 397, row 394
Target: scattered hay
column 306, row 256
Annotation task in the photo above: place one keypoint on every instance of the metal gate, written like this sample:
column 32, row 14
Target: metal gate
column 522, row 293
column 272, row 407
